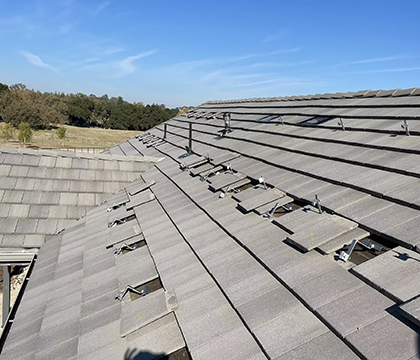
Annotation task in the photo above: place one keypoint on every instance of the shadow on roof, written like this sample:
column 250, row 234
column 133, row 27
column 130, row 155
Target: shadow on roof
column 134, row 354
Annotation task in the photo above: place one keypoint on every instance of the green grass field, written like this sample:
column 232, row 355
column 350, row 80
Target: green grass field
column 76, row 137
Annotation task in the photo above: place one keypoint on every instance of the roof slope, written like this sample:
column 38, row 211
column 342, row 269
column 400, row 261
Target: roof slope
column 44, row 191
column 236, row 284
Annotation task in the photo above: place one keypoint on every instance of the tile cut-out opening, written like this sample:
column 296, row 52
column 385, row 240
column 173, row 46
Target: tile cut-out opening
column 127, row 247
column 285, row 209
column 122, row 220
column 151, row 286
column 361, row 253
column 180, row 354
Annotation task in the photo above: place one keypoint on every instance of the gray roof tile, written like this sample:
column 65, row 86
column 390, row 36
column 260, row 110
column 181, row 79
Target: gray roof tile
column 25, row 184
column 261, row 199
column 344, row 239
column 76, row 212
column 64, row 350
column 79, row 163
column 349, row 313
column 54, row 173
column 161, row 336
column 70, row 174
column 47, row 226
column 8, row 182
column 18, row 171
column 31, row 197
column 236, row 344
column 60, row 185
column 101, row 318
column 12, row 159
column 98, row 304
column 68, row 198
column 388, row 338
column 50, row 198
column 14, row 197
column 302, row 326
column 135, row 268
column 265, row 307
column 395, row 273
column 87, row 175
column 10, row 240
column 33, row 241
column 327, row 287
column 47, row 161
column 4, row 210
column 31, row 160
column 99, row 338
column 39, row 211
column 26, row 226
column 5, row 170
column 411, row 310
column 19, row 210
column 63, row 162
column 57, row 212
column 117, row 349
column 130, row 322
column 325, row 346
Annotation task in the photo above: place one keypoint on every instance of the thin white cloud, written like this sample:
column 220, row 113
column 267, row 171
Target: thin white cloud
column 285, row 81
column 101, row 7
column 269, row 39
column 36, row 60
column 379, row 71
column 120, row 68
column 112, row 51
column 126, row 66
column 77, row 63
column 276, row 36
column 285, row 51
column 380, row 59
column 271, row 64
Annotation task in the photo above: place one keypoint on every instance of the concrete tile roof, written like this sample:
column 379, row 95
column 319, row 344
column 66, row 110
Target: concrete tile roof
column 241, row 285
column 43, row 191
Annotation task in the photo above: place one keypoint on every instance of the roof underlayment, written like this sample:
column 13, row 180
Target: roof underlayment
column 226, row 275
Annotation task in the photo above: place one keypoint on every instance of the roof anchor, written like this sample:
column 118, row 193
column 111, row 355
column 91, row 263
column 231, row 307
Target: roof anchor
column 370, row 245
column 346, row 255
column 341, row 123
column 116, row 222
column 269, row 213
column 226, row 119
column 123, row 247
column 223, row 193
column 113, row 207
column 404, row 125
column 229, row 169
column 208, row 158
column 144, row 291
column 317, row 202
column 281, row 119
column 205, row 177
column 261, row 181
column 183, row 166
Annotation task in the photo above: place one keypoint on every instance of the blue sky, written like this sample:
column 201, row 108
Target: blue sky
column 187, row 52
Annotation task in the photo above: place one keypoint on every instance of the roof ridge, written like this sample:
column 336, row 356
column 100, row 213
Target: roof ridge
column 80, row 155
column 338, row 95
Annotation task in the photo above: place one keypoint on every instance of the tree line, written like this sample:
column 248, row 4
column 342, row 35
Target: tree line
column 40, row 110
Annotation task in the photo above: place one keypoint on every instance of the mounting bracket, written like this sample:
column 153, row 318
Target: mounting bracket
column 346, row 255
column 144, row 291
